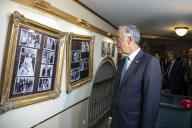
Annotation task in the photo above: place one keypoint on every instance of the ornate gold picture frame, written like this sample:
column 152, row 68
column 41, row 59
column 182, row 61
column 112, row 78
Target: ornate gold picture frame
column 79, row 61
column 108, row 49
column 33, row 63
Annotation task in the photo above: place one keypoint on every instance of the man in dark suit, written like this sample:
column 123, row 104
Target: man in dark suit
column 188, row 73
column 174, row 74
column 137, row 91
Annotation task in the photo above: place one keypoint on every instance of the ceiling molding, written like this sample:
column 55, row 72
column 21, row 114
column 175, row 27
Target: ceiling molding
column 161, row 37
column 46, row 7
column 89, row 9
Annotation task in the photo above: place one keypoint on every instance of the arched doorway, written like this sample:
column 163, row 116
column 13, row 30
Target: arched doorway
column 101, row 94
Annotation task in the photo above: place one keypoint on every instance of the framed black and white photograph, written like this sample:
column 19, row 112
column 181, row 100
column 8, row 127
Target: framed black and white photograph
column 23, row 85
column 76, row 56
column 27, row 62
column 104, row 49
column 46, row 70
column 50, row 43
column 75, row 74
column 84, row 64
column 44, row 84
column 108, row 49
column 113, row 50
column 30, row 38
column 34, row 63
column 85, row 47
column 79, row 61
column 48, row 57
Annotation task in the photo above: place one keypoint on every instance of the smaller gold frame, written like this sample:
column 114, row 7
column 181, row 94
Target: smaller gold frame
column 108, row 49
column 33, row 63
column 79, row 60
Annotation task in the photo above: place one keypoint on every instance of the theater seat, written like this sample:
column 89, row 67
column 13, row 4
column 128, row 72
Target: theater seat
column 167, row 98
column 172, row 99
column 178, row 98
column 173, row 116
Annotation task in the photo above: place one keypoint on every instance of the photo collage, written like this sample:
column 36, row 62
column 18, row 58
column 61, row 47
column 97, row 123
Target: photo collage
column 30, row 44
column 79, row 60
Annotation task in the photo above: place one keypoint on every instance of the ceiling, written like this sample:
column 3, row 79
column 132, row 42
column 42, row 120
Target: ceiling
column 153, row 17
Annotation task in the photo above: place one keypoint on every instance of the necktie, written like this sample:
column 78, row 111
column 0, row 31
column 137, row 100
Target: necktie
column 167, row 71
column 125, row 67
column 170, row 68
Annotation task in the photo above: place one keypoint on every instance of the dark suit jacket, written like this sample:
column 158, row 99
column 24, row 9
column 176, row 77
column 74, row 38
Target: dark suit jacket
column 136, row 98
column 188, row 72
column 175, row 80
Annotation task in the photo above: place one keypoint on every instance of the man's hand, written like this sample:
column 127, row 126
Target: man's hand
column 109, row 123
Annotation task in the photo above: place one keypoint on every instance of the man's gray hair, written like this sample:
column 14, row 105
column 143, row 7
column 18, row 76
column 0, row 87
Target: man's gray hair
column 132, row 30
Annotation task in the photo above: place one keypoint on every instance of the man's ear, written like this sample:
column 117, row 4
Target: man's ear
column 130, row 38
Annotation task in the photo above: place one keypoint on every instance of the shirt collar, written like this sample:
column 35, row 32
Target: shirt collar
column 133, row 54
column 173, row 61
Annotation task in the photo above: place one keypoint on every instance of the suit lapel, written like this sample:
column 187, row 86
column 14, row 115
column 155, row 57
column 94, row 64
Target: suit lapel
column 132, row 66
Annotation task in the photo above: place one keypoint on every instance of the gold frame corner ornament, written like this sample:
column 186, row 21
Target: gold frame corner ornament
column 18, row 21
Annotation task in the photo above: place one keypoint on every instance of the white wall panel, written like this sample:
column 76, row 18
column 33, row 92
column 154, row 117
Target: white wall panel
column 31, row 115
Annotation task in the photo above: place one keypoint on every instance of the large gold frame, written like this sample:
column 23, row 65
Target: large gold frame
column 90, row 39
column 18, row 20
